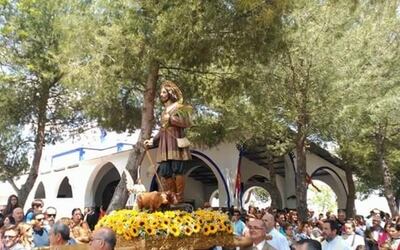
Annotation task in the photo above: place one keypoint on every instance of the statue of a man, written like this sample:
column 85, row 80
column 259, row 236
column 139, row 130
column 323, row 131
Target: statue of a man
column 171, row 158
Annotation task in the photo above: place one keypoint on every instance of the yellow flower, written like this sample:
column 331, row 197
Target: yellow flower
column 132, row 223
column 213, row 228
column 141, row 221
column 196, row 228
column 170, row 214
column 174, row 230
column 134, row 232
column 201, row 221
column 188, row 231
column 151, row 231
column 178, row 220
column 229, row 229
column 206, row 230
column 165, row 223
column 221, row 227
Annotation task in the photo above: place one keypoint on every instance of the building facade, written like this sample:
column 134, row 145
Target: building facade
column 86, row 176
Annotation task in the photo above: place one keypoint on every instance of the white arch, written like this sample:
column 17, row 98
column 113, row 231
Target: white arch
column 97, row 174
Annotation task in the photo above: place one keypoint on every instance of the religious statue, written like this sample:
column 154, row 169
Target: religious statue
column 172, row 145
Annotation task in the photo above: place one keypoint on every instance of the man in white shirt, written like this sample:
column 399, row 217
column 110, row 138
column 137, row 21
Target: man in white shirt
column 278, row 240
column 257, row 231
column 332, row 241
column 350, row 236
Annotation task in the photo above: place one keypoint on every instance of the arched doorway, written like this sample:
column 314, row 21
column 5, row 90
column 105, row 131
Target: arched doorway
column 271, row 191
column 256, row 196
column 332, row 183
column 201, row 182
column 107, row 180
column 321, row 197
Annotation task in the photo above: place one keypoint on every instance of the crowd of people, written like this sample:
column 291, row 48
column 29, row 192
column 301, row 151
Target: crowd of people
column 267, row 229
column 282, row 230
column 40, row 228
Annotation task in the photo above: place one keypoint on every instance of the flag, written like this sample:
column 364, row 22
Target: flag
column 238, row 181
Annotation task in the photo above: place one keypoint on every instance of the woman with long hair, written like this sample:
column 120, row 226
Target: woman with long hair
column 12, row 203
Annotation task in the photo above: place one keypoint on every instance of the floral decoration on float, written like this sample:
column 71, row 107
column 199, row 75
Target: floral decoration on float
column 200, row 229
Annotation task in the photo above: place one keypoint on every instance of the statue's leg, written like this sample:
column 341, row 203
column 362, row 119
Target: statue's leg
column 165, row 172
column 178, row 169
column 170, row 182
column 180, row 187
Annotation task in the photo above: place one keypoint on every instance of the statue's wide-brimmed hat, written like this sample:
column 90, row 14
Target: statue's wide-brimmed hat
column 173, row 89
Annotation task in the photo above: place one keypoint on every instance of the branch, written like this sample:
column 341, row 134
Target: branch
column 196, row 71
column 12, row 183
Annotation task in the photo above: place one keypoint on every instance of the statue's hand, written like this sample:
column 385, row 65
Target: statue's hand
column 148, row 143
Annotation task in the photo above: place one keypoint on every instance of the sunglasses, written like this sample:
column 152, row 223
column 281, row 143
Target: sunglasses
column 51, row 215
column 9, row 236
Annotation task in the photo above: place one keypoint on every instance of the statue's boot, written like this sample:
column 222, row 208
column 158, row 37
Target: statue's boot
column 180, row 187
column 170, row 184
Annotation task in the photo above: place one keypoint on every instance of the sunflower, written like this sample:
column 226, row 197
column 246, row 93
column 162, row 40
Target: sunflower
column 127, row 235
column 201, row 221
column 206, row 230
column 178, row 220
column 154, row 223
column 196, row 228
column 165, row 222
column 221, row 227
column 174, row 230
column 131, row 223
column 213, row 228
column 150, row 231
column 134, row 232
column 120, row 231
column 188, row 231
column 170, row 214
column 229, row 229
column 141, row 221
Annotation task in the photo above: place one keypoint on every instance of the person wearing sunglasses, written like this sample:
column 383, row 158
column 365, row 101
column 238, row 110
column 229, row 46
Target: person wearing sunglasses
column 10, row 238
column 40, row 233
column 50, row 217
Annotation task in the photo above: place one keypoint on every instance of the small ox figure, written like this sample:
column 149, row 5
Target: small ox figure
column 154, row 200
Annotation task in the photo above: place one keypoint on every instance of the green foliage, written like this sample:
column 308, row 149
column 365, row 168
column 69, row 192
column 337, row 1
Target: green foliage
column 34, row 104
column 261, row 194
column 198, row 44
column 31, row 75
column 322, row 201
column 13, row 153
column 370, row 58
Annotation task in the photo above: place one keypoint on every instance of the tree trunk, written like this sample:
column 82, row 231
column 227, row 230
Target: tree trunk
column 352, row 192
column 136, row 156
column 387, row 177
column 26, row 188
column 388, row 188
column 276, row 199
column 301, row 170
